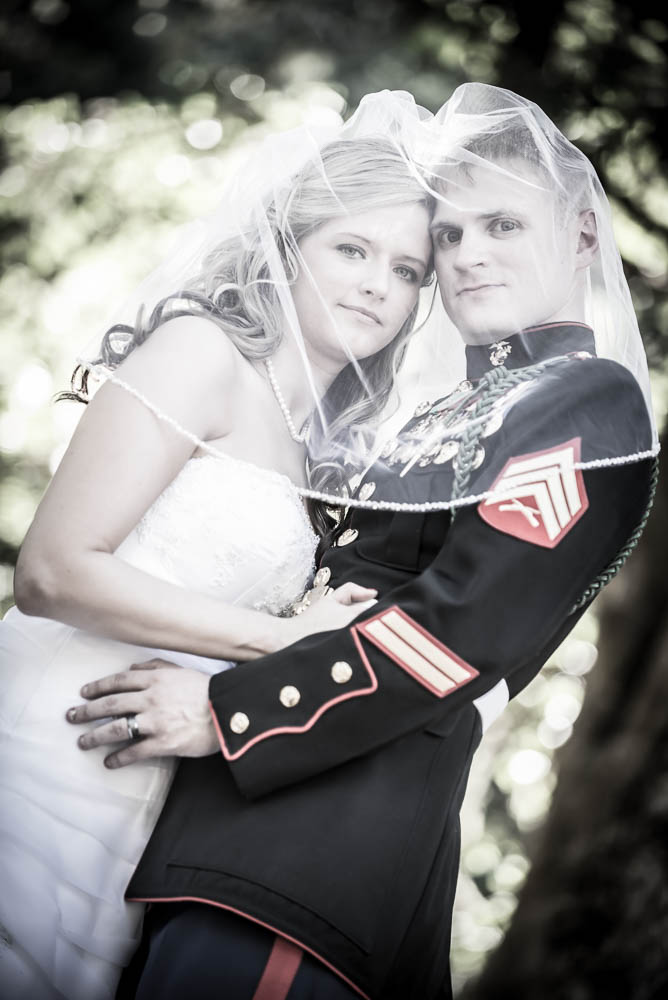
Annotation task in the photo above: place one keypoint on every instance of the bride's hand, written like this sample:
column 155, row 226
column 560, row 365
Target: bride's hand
column 333, row 610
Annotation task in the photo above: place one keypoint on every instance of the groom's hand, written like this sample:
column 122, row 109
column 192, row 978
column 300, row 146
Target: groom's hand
column 169, row 706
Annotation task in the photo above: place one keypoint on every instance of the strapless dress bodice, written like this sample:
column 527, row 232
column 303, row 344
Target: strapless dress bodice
column 230, row 529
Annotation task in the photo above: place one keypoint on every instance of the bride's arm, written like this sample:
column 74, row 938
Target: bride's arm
column 120, row 459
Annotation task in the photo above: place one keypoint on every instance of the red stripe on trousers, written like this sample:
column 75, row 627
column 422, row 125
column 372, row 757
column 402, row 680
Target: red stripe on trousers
column 280, row 971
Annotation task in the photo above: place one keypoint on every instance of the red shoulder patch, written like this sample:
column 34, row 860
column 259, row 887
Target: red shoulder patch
column 538, row 497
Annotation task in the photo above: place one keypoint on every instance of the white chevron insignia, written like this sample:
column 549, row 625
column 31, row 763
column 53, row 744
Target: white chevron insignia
column 538, row 497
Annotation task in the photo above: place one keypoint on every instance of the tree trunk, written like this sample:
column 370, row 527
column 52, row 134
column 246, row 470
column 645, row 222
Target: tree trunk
column 592, row 919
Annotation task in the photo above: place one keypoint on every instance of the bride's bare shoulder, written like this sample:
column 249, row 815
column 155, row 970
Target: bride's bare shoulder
column 189, row 368
column 195, row 344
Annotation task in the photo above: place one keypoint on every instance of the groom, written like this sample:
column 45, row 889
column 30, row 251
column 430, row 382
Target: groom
column 326, row 826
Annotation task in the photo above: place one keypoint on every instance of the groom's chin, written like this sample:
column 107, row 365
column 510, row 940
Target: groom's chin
column 481, row 323
column 483, row 332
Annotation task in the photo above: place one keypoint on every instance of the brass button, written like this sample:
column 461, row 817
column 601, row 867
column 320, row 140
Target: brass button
column 341, row 672
column 289, row 696
column 239, row 723
column 322, row 577
column 367, row 490
column 348, row 536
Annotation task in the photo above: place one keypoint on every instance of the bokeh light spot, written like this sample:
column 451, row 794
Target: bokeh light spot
column 173, row 170
column 149, row 25
column 528, row 766
column 205, row 133
column 247, row 87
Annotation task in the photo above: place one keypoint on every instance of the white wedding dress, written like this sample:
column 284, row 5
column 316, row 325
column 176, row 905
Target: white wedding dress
column 72, row 831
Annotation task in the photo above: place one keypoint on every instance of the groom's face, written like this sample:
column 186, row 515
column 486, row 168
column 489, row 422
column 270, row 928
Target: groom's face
column 504, row 252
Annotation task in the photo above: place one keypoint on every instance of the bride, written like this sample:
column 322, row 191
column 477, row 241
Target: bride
column 175, row 520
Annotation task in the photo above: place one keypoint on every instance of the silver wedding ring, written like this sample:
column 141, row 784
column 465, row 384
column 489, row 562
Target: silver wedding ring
column 133, row 728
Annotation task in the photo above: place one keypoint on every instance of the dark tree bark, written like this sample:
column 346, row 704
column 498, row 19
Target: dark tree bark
column 592, row 919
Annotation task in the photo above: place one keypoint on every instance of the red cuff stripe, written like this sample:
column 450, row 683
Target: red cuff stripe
column 416, row 651
column 280, row 971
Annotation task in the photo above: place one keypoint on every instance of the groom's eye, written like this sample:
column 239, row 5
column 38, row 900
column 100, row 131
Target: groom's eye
column 503, row 226
column 448, row 237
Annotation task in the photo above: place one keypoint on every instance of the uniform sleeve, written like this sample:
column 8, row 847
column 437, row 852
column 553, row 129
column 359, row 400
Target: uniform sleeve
column 485, row 608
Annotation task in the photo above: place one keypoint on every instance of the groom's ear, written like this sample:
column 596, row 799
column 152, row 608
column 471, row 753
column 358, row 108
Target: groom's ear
column 587, row 236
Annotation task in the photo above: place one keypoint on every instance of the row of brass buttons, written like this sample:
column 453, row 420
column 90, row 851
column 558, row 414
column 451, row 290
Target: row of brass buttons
column 289, row 696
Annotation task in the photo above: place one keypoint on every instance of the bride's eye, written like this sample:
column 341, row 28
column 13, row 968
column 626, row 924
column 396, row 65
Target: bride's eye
column 350, row 250
column 407, row 273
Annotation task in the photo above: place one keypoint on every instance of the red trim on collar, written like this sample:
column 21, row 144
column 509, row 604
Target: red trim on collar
column 550, row 326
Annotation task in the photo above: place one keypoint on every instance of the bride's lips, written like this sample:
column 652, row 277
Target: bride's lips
column 366, row 313
column 481, row 287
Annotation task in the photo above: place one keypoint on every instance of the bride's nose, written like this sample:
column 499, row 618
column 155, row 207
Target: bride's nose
column 375, row 280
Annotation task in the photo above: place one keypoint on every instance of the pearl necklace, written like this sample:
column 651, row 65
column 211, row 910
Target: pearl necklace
column 273, row 382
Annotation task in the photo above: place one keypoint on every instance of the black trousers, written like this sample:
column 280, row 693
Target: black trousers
column 192, row 951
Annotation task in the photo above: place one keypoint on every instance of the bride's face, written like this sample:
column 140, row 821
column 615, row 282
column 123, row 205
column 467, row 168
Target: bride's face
column 359, row 279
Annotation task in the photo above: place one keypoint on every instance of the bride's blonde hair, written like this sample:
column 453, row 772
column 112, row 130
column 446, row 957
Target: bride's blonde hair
column 236, row 289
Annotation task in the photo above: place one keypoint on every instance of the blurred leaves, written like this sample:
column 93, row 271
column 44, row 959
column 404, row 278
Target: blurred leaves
column 597, row 67
column 509, row 793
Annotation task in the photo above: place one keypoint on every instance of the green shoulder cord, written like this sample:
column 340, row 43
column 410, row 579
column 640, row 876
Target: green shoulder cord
column 613, row 569
column 491, row 387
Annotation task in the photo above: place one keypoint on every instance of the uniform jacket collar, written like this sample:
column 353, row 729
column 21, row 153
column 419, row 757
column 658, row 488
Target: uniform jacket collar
column 535, row 344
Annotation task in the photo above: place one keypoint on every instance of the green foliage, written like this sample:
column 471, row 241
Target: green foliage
column 509, row 793
column 85, row 216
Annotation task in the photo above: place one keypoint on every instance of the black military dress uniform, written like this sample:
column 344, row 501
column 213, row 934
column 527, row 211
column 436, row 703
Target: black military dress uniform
column 331, row 814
